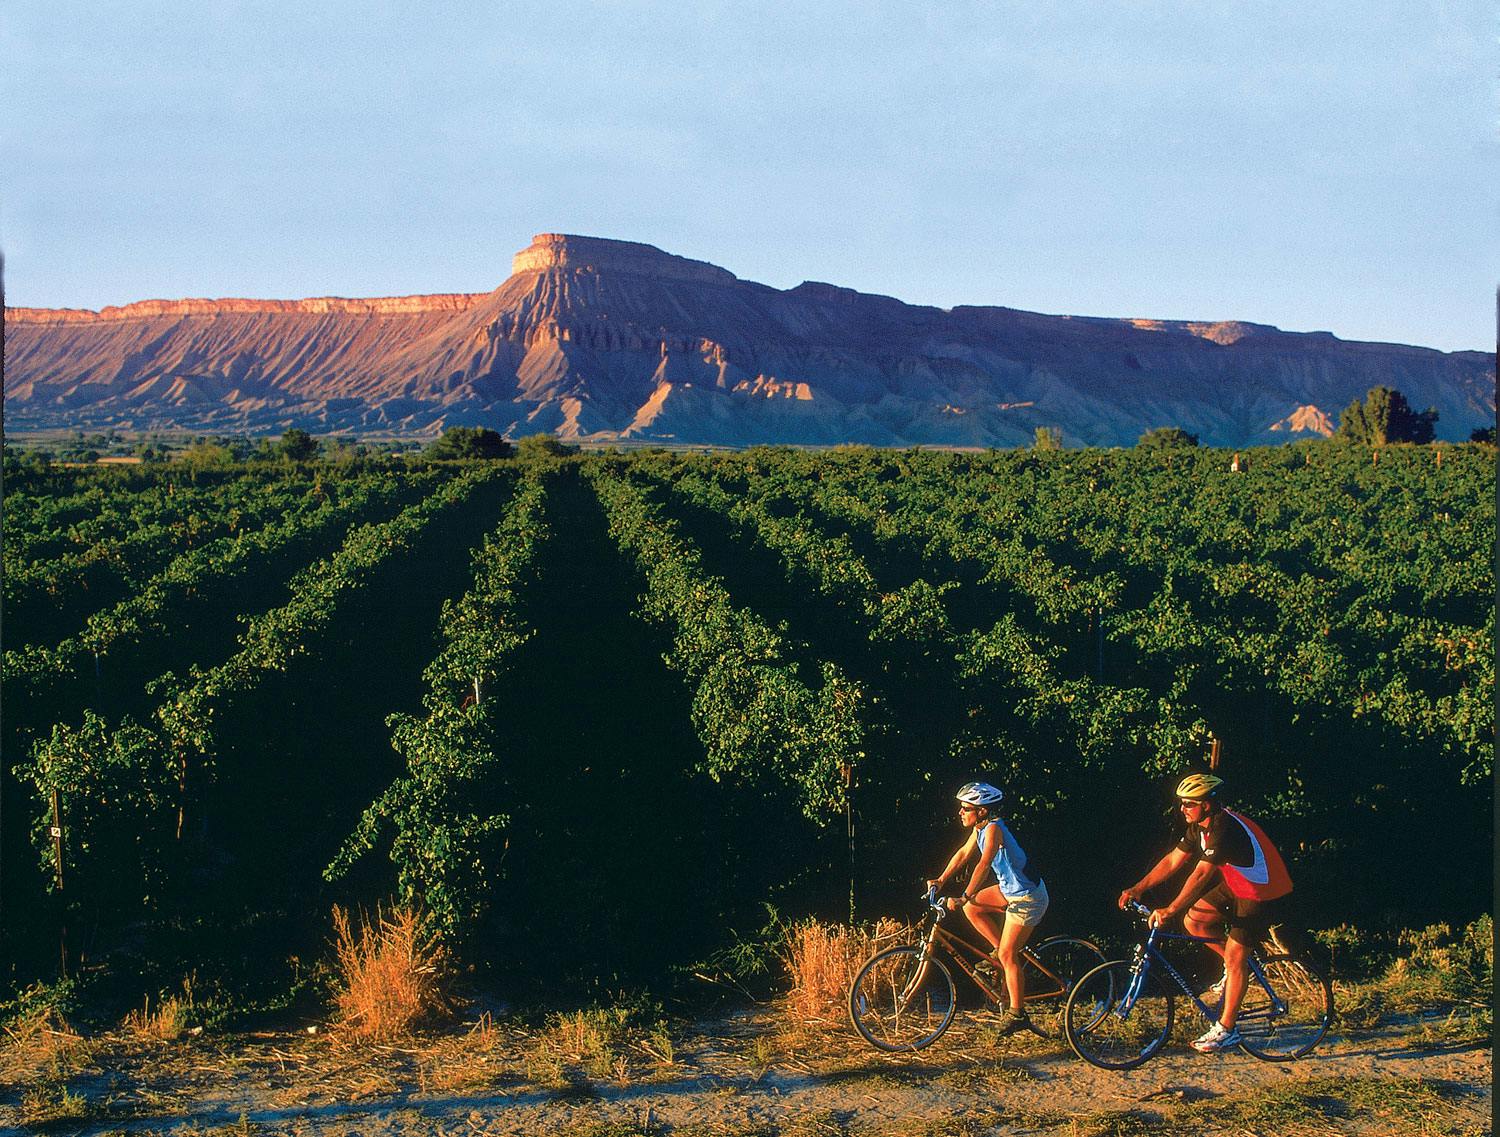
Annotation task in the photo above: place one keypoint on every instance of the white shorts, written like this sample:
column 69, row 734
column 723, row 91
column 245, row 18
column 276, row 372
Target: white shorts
column 1028, row 908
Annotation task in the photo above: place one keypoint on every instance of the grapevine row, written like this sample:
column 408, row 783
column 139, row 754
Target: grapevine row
column 139, row 768
column 755, row 717
column 42, row 595
column 1002, row 666
column 1245, row 622
column 442, row 835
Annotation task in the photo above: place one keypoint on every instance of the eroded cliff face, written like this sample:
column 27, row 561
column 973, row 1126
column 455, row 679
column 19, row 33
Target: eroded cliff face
column 593, row 338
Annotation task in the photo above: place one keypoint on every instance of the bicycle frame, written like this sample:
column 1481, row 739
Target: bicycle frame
column 1147, row 953
column 937, row 936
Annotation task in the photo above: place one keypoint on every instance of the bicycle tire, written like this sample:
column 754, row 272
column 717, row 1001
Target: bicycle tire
column 1068, row 959
column 1274, row 1034
column 900, row 1001
column 1117, row 1019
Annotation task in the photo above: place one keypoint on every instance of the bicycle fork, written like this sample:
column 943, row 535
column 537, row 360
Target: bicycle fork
column 1134, row 988
column 924, row 961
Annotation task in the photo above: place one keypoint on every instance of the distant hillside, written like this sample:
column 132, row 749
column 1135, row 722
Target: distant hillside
column 606, row 340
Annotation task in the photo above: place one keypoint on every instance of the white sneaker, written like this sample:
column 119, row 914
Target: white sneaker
column 1215, row 1038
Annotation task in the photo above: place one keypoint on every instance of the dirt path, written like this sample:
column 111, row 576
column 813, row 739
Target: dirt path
column 749, row 1075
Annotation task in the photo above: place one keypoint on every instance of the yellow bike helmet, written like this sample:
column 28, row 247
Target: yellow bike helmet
column 1196, row 787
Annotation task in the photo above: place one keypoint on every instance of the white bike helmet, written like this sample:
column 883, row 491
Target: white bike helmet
column 979, row 793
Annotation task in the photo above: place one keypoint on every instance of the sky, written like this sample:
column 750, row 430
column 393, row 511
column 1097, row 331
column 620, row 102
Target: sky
column 1313, row 166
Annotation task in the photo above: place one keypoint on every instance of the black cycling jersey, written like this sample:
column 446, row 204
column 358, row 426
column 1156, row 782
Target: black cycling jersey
column 1223, row 843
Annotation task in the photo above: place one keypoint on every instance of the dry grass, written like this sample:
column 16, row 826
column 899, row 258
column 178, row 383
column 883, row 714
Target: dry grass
column 1440, row 971
column 41, row 1052
column 41, row 1043
column 167, row 1023
column 48, row 1103
column 590, row 1043
column 622, row 1044
column 822, row 960
column 480, row 1058
column 390, row 974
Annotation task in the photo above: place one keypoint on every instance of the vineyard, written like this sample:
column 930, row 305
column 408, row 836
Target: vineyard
column 595, row 713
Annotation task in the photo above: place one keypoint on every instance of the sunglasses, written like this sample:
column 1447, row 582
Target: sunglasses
column 1184, row 804
column 968, row 808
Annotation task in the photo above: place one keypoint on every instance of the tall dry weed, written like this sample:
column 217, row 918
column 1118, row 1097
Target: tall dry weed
column 167, row 1023
column 822, row 959
column 39, row 1043
column 391, row 973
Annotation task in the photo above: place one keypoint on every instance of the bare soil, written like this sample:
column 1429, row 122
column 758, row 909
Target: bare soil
column 748, row 1074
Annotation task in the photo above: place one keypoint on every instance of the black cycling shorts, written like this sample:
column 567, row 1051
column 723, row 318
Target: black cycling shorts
column 1245, row 921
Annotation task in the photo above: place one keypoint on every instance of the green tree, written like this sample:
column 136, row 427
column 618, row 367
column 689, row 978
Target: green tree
column 544, row 446
column 1385, row 417
column 1047, row 438
column 1483, row 434
column 469, row 442
column 1159, row 437
column 204, row 455
column 298, row 446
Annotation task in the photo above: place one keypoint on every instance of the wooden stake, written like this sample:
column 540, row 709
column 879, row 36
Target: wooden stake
column 62, row 928
column 57, row 839
column 848, row 772
column 181, row 791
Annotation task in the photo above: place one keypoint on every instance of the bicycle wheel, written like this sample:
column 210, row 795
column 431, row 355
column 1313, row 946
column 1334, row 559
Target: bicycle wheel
column 1290, row 1019
column 1050, row 969
column 1116, row 1017
column 900, row 1001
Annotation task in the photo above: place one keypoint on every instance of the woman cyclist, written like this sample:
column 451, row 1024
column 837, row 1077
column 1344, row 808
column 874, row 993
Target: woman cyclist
column 1005, row 898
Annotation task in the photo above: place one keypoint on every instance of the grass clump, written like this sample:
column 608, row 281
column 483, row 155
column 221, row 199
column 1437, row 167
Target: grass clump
column 49, row 1103
column 1443, row 965
column 167, row 1023
column 1396, row 1105
column 597, row 1043
column 1435, row 970
column 390, row 974
column 38, row 1042
column 1115, row 1123
column 821, row 960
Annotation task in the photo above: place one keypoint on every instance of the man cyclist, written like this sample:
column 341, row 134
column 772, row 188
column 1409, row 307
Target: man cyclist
column 1236, row 877
column 1005, row 899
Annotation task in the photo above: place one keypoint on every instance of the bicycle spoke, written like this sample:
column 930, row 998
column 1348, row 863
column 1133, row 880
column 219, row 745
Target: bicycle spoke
column 1290, row 1018
column 1050, row 969
column 1116, row 1018
column 901, row 1001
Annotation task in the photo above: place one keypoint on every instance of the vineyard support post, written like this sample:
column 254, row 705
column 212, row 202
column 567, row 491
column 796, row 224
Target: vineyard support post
column 56, row 834
column 57, row 857
column 1099, row 634
column 182, row 773
column 848, row 772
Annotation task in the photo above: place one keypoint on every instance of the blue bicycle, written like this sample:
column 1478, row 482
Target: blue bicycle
column 1119, row 1015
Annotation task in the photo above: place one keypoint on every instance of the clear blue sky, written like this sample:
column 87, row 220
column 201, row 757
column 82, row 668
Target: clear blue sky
column 1315, row 166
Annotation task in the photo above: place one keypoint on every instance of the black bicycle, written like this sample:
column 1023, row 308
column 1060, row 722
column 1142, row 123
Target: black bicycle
column 1119, row 1015
column 904, row 997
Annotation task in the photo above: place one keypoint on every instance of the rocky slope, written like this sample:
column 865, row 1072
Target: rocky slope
column 608, row 340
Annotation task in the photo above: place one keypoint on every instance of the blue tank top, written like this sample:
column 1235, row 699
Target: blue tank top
column 1007, row 860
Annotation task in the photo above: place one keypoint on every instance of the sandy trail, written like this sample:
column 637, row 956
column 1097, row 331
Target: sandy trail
column 748, row 1074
